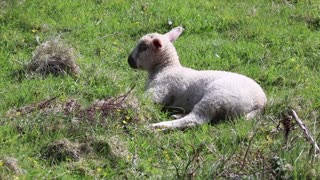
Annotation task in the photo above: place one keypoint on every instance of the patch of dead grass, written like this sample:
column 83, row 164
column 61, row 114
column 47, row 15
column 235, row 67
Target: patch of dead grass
column 12, row 165
column 111, row 107
column 62, row 150
column 53, row 57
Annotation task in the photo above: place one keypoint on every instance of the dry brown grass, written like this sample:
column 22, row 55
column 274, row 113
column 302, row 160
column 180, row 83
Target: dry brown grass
column 65, row 150
column 53, row 57
column 12, row 165
column 61, row 150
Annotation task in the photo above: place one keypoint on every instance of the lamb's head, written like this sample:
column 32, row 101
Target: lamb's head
column 155, row 50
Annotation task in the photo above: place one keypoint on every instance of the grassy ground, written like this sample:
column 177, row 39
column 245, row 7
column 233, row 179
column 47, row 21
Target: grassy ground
column 277, row 43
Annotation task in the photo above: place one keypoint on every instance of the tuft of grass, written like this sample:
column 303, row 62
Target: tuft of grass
column 53, row 57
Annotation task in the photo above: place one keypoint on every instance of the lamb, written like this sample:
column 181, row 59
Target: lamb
column 206, row 96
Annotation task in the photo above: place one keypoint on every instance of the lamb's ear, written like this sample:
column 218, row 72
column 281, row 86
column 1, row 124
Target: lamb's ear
column 174, row 33
column 157, row 43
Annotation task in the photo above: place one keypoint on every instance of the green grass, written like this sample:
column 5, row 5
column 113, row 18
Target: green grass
column 277, row 43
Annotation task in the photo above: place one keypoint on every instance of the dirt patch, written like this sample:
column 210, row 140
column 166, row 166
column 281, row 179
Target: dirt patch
column 123, row 107
column 3, row 6
column 44, row 106
column 312, row 22
column 53, row 57
column 118, row 148
column 12, row 165
column 112, row 146
column 62, row 150
column 110, row 107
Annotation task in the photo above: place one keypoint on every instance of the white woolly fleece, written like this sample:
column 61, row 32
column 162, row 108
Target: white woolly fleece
column 205, row 95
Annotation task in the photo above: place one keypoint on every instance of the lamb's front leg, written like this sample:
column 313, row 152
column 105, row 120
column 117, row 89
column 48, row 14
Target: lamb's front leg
column 159, row 95
column 187, row 121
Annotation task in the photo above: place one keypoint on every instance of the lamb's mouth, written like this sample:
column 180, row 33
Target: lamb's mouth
column 131, row 62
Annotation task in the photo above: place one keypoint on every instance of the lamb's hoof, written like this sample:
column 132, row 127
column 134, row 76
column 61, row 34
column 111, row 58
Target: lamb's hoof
column 153, row 128
column 158, row 127
column 178, row 116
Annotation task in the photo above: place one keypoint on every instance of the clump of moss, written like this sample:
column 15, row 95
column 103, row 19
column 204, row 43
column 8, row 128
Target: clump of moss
column 53, row 57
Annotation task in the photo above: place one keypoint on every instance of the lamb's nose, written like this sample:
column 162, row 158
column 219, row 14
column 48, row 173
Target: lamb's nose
column 131, row 62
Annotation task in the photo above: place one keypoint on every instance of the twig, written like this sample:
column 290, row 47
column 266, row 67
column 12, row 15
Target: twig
column 36, row 106
column 117, row 101
column 196, row 153
column 125, row 95
column 277, row 123
column 221, row 164
column 250, row 142
column 177, row 170
column 44, row 104
column 247, row 151
column 134, row 159
column 306, row 131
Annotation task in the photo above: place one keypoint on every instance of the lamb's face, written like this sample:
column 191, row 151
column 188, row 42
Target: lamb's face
column 153, row 50
column 148, row 48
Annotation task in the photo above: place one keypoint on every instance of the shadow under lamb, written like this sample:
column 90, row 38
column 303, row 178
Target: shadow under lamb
column 205, row 95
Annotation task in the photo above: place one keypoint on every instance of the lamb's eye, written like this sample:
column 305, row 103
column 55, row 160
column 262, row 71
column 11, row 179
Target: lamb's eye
column 142, row 47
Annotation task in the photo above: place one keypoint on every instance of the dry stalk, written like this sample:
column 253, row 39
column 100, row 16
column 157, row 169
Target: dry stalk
column 195, row 160
column 287, row 126
column 249, row 146
column 306, row 132
column 31, row 108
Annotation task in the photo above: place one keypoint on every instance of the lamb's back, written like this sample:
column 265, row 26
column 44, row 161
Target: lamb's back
column 189, row 86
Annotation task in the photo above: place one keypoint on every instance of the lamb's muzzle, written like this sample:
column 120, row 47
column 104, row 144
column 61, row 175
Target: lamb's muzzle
column 131, row 62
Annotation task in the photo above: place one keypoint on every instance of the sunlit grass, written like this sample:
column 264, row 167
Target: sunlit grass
column 274, row 42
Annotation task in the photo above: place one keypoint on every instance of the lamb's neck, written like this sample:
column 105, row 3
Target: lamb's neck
column 163, row 66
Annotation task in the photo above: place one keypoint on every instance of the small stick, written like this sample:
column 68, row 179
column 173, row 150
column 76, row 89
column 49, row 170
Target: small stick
column 306, row 131
column 125, row 95
column 247, row 151
column 42, row 105
column 250, row 142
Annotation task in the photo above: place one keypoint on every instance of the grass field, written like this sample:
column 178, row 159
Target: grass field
column 275, row 42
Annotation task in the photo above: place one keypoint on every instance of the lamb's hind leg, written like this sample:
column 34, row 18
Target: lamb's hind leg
column 190, row 120
column 253, row 114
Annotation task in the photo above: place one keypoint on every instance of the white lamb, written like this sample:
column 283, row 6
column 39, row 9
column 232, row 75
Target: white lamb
column 205, row 95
